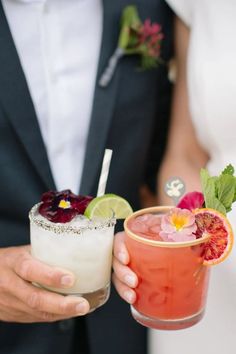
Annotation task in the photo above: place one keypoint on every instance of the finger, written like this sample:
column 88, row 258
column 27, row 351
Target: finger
column 14, row 310
column 33, row 270
column 45, row 301
column 49, row 317
column 65, row 306
column 120, row 250
column 125, row 274
column 24, row 317
column 124, row 291
column 17, row 316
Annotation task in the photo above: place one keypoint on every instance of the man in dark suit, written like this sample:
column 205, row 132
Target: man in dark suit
column 130, row 117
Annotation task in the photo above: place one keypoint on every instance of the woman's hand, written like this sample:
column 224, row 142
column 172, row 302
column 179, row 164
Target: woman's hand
column 124, row 279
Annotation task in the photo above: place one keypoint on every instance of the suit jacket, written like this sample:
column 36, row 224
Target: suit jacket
column 129, row 116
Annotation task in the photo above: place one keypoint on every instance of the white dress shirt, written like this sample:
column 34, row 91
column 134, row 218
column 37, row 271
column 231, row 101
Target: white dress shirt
column 58, row 43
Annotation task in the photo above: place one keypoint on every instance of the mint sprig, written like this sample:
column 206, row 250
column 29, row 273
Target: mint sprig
column 229, row 170
column 219, row 192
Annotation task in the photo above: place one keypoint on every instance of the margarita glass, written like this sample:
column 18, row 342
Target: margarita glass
column 82, row 246
column 173, row 282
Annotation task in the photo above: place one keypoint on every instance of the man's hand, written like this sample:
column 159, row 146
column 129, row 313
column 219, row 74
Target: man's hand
column 20, row 301
column 123, row 278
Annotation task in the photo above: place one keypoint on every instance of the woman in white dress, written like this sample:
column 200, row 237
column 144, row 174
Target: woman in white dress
column 202, row 133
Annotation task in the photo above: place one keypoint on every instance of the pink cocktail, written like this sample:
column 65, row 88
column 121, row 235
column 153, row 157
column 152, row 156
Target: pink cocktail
column 173, row 282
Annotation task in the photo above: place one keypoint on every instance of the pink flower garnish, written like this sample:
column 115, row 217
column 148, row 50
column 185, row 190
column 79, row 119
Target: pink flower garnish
column 62, row 206
column 178, row 225
column 191, row 201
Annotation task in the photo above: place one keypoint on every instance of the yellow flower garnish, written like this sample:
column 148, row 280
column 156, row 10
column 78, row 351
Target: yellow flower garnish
column 178, row 225
column 64, row 204
column 179, row 221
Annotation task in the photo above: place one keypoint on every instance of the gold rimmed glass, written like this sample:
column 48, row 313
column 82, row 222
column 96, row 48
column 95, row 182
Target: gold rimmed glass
column 173, row 282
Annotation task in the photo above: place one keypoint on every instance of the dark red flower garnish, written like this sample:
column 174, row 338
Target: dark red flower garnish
column 191, row 201
column 62, row 206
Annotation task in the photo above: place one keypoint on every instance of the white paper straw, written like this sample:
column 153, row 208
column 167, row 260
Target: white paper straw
column 104, row 172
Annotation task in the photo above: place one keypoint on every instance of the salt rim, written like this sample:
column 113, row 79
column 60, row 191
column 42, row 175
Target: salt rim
column 60, row 228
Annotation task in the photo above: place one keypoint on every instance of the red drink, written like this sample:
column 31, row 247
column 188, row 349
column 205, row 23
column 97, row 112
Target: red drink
column 173, row 281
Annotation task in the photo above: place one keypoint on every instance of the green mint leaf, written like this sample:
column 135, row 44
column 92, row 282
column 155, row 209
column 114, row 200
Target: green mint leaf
column 225, row 186
column 234, row 198
column 219, row 192
column 209, row 190
column 208, row 187
column 215, row 203
column 229, row 170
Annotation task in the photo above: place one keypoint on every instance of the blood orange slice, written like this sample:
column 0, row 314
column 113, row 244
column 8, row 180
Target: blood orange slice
column 216, row 225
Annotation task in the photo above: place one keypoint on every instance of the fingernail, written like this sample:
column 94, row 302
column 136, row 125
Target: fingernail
column 81, row 307
column 130, row 280
column 122, row 257
column 67, row 280
column 129, row 296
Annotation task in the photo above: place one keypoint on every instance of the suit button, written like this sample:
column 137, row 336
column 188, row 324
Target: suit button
column 65, row 325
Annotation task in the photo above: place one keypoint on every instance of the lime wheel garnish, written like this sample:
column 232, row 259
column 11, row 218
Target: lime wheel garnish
column 107, row 205
column 217, row 226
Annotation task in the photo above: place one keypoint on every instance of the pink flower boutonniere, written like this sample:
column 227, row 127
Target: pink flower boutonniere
column 136, row 38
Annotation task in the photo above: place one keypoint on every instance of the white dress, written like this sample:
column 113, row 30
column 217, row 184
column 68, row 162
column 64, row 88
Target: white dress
column 212, row 95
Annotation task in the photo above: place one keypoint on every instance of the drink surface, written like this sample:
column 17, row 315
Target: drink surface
column 147, row 226
column 172, row 280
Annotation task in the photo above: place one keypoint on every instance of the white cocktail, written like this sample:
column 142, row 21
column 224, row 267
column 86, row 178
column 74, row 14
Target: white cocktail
column 82, row 246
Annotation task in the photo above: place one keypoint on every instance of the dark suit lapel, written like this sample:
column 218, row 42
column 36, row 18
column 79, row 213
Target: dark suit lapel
column 17, row 104
column 104, row 99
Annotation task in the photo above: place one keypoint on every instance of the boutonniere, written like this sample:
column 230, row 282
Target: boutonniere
column 136, row 38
